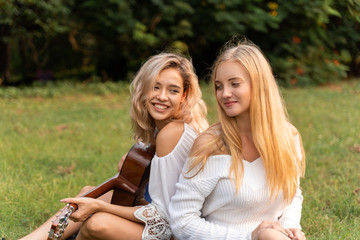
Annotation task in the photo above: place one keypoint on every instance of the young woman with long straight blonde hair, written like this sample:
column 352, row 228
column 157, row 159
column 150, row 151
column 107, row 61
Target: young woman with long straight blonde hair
column 242, row 179
column 166, row 110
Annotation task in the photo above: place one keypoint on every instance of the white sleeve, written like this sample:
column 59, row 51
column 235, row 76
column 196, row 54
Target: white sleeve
column 186, row 205
column 292, row 214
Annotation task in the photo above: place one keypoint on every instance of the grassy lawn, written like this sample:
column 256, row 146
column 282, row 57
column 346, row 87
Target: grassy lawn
column 56, row 139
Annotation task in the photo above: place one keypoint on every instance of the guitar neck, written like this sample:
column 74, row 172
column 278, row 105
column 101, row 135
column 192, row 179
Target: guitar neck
column 61, row 221
column 102, row 188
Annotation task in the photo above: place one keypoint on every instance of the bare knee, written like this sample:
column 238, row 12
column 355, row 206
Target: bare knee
column 84, row 190
column 94, row 227
column 271, row 234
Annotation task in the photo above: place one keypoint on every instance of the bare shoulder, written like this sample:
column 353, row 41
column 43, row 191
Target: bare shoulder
column 168, row 138
column 209, row 143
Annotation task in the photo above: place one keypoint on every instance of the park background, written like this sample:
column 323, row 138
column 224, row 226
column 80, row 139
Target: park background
column 65, row 68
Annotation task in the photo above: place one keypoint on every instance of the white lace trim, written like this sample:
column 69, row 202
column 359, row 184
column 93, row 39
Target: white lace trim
column 156, row 225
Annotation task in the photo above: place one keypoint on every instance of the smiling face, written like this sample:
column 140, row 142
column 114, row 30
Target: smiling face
column 233, row 89
column 165, row 97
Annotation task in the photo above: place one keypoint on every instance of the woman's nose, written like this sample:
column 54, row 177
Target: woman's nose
column 162, row 95
column 227, row 92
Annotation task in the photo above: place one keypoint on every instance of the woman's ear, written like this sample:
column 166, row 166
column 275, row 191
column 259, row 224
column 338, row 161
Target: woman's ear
column 184, row 95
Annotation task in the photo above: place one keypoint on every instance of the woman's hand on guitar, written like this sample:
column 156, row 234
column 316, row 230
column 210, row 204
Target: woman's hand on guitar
column 121, row 162
column 86, row 207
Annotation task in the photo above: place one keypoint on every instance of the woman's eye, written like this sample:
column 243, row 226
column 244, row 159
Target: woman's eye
column 235, row 84
column 218, row 87
column 156, row 88
column 174, row 91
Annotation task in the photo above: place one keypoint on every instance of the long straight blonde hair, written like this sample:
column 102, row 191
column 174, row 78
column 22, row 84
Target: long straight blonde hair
column 273, row 135
column 192, row 110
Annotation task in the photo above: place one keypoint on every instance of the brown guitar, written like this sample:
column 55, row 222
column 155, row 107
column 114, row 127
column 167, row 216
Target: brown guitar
column 128, row 186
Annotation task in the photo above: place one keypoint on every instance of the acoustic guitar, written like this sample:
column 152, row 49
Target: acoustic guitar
column 128, row 187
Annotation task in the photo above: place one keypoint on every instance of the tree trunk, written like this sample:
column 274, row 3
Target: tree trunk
column 25, row 65
column 4, row 55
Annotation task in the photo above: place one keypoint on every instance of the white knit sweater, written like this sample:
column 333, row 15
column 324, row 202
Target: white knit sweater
column 207, row 207
column 165, row 171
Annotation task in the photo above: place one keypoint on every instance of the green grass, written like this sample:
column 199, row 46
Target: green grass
column 57, row 138
column 328, row 119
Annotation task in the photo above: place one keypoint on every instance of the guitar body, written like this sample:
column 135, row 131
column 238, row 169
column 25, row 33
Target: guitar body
column 128, row 186
column 136, row 169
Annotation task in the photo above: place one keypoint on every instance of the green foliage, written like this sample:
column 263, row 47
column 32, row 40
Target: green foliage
column 309, row 65
column 315, row 48
column 29, row 26
column 307, row 41
column 33, row 20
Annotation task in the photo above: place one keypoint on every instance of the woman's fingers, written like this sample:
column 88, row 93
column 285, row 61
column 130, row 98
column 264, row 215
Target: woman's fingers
column 277, row 226
column 274, row 225
column 70, row 200
column 289, row 233
column 268, row 225
column 292, row 233
column 86, row 207
column 297, row 234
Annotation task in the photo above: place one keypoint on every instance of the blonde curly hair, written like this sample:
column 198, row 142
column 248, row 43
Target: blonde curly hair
column 192, row 110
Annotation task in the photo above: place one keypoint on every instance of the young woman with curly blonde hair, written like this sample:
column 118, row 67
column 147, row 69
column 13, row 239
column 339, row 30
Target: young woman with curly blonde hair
column 167, row 110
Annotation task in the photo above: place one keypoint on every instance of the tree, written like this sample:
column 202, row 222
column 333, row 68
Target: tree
column 307, row 41
column 30, row 25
